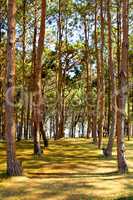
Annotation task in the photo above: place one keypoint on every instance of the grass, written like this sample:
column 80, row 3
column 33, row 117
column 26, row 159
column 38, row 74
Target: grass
column 71, row 169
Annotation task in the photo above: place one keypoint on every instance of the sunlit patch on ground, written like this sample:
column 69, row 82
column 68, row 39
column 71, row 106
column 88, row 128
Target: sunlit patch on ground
column 68, row 170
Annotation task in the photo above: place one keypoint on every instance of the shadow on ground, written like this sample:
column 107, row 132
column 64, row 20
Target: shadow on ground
column 68, row 170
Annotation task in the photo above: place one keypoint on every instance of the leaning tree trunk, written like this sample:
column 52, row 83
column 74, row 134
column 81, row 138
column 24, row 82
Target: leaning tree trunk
column 122, row 96
column 112, row 130
column 13, row 166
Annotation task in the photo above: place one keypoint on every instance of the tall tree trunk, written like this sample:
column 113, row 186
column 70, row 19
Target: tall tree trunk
column 23, row 64
column 61, row 129
column 37, row 100
column 82, row 127
column 51, row 126
column 98, row 69
column 108, row 109
column 34, row 64
column 59, row 80
column 28, row 113
column 88, row 76
column 112, row 130
column 102, row 86
column 130, row 99
column 118, row 34
column 122, row 96
column 13, row 166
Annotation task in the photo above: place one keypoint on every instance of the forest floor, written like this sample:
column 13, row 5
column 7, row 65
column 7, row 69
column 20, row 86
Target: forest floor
column 70, row 169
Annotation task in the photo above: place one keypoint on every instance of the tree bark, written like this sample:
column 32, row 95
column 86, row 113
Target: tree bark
column 94, row 128
column 59, row 80
column 122, row 96
column 98, row 70
column 13, row 166
column 88, row 76
column 23, row 66
column 102, row 86
column 37, row 100
column 45, row 140
column 118, row 34
column 112, row 86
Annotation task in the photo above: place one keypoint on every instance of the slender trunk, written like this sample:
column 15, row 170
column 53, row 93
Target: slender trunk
column 94, row 128
column 28, row 114
column 129, row 100
column 23, row 66
column 98, row 69
column 102, row 86
column 88, row 77
column 112, row 86
column 59, row 79
column 82, row 125
column 128, row 120
column 51, row 126
column 122, row 96
column 109, row 102
column 34, row 64
column 71, row 126
column 54, row 127
column 118, row 34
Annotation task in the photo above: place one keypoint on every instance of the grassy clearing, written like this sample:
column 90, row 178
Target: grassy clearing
column 69, row 170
